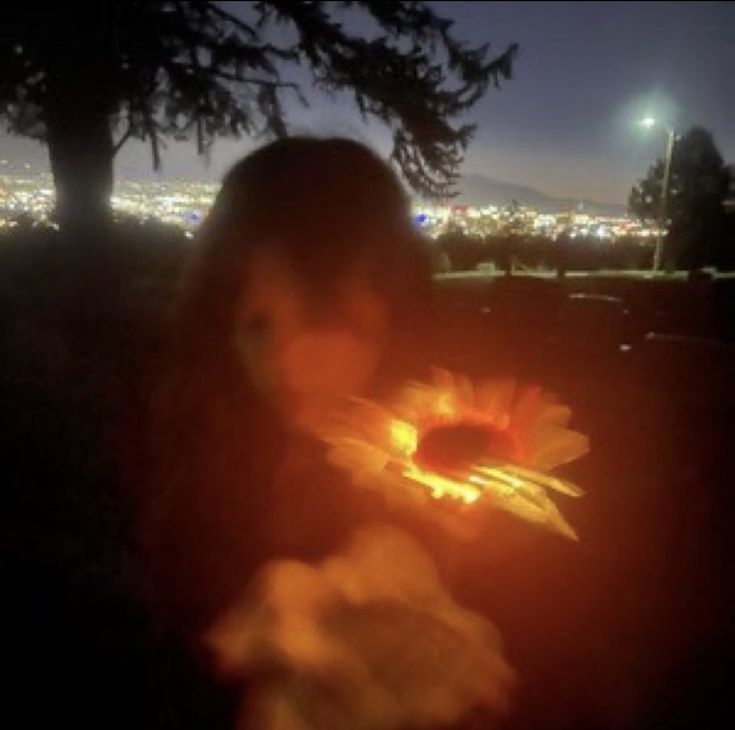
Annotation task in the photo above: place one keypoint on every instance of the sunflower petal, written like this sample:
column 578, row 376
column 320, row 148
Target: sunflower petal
column 546, row 481
column 524, row 498
column 494, row 397
column 357, row 456
column 539, row 510
column 554, row 448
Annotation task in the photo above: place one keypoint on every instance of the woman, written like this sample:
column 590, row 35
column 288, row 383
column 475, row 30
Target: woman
column 309, row 285
column 307, row 275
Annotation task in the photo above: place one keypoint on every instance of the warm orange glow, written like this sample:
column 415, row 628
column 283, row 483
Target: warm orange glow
column 404, row 437
column 376, row 620
column 442, row 486
column 488, row 443
column 445, row 406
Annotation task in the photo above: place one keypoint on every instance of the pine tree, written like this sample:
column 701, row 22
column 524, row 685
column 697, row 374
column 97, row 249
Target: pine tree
column 87, row 79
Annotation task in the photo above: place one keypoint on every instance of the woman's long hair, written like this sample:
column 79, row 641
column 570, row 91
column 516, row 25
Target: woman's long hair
column 330, row 203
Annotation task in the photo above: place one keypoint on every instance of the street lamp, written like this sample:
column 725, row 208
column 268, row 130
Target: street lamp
column 648, row 123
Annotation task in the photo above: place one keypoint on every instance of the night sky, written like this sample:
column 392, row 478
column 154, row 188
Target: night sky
column 566, row 124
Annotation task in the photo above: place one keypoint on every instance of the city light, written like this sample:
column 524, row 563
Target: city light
column 178, row 203
column 184, row 204
column 502, row 221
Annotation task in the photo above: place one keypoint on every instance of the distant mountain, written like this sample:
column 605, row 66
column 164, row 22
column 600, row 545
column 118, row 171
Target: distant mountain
column 479, row 190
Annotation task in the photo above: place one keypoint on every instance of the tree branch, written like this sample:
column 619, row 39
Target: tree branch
column 128, row 134
column 225, row 76
column 224, row 15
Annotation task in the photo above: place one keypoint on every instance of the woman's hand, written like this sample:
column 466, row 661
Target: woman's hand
column 368, row 639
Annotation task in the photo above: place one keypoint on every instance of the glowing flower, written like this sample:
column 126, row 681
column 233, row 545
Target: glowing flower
column 491, row 443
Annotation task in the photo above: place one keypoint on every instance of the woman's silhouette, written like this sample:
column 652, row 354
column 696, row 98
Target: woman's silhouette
column 308, row 284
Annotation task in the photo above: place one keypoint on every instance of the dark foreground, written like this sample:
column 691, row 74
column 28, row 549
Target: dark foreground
column 629, row 629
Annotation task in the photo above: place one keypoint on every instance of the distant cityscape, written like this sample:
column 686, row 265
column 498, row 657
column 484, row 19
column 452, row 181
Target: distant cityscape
column 29, row 197
column 183, row 204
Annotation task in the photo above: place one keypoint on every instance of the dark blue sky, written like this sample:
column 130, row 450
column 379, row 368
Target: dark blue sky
column 566, row 123
column 586, row 73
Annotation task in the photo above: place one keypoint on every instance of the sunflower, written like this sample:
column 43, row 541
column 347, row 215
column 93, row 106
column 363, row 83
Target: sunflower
column 459, row 446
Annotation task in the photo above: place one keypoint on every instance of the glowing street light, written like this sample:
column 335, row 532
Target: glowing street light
column 649, row 123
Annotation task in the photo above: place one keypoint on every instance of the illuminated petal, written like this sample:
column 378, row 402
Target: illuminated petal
column 417, row 403
column 443, row 379
column 525, row 499
column 358, row 457
column 494, row 397
column 554, row 414
column 546, row 480
column 556, row 448
column 545, row 514
column 531, row 401
column 464, row 391
column 404, row 437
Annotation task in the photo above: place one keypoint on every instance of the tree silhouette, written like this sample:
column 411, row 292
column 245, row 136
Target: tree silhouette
column 695, row 202
column 85, row 81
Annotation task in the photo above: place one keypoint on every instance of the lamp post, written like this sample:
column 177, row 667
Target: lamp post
column 648, row 123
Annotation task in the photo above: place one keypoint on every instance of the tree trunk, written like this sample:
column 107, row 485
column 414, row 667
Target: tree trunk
column 80, row 60
column 81, row 156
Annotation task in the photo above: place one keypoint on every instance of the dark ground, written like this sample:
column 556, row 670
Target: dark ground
column 629, row 629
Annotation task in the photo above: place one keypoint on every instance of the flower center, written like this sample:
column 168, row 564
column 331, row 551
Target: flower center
column 454, row 449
